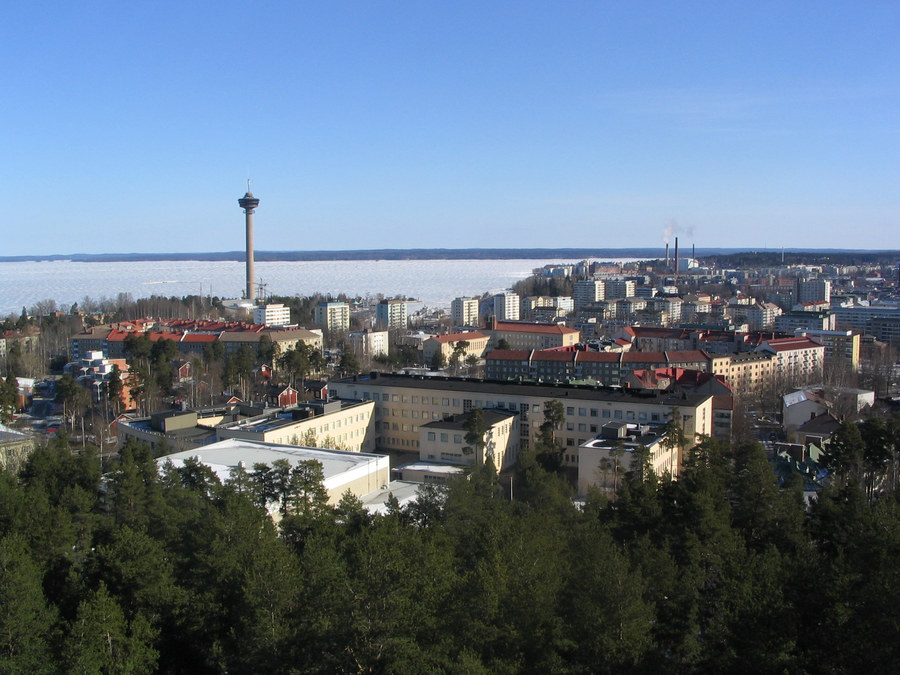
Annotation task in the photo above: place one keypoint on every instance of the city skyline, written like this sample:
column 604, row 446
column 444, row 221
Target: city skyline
column 508, row 125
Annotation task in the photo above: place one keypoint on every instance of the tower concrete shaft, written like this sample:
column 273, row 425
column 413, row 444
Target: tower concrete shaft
column 249, row 203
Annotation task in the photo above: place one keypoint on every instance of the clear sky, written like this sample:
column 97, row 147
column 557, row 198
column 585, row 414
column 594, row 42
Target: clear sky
column 133, row 126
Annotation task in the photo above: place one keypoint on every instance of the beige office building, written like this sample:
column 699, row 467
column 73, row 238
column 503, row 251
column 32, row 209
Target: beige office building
column 534, row 335
column 476, row 344
column 403, row 404
column 445, row 440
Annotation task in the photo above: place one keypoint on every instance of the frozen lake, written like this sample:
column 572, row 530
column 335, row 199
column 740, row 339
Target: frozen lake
column 434, row 282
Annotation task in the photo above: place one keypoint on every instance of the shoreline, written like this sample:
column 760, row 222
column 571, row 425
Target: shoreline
column 641, row 253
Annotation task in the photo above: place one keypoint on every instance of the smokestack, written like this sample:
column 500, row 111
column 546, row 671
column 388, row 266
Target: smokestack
column 694, row 251
column 667, row 255
column 676, row 258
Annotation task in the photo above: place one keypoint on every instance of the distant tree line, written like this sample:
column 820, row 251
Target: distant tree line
column 541, row 285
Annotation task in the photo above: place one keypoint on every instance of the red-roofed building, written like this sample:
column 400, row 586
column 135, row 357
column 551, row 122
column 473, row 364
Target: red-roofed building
column 534, row 335
column 282, row 396
column 796, row 357
column 607, row 368
column 476, row 344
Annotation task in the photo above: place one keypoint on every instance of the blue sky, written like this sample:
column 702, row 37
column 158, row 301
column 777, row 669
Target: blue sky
column 132, row 127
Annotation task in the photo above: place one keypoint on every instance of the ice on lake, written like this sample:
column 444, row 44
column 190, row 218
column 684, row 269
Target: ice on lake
column 434, row 282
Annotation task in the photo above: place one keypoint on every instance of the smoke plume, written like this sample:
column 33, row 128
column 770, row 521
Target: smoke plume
column 672, row 228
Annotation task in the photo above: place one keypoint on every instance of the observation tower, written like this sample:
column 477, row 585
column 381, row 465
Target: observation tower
column 249, row 203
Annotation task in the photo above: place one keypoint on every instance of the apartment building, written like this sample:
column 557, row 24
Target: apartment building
column 796, row 357
column 507, row 306
column 804, row 320
column 284, row 339
column 863, row 319
column 391, row 314
column 842, row 345
column 587, row 291
column 762, row 316
column 190, row 337
column 812, row 290
column 91, row 340
column 605, row 368
column 615, row 290
column 274, row 314
column 553, row 365
column 369, row 343
column 544, row 308
column 604, row 460
column 529, row 305
column 93, row 372
column 344, row 425
column 333, row 316
column 464, row 311
column 745, row 372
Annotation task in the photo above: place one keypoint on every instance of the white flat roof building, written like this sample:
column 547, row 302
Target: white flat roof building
column 359, row 472
column 272, row 315
column 405, row 492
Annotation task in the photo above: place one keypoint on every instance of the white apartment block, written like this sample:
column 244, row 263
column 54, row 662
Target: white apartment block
column 621, row 444
column 506, row 306
column 391, row 314
column 796, row 357
column 369, row 343
column 333, row 316
column 564, row 303
column 762, row 316
column 272, row 315
column 591, row 290
column 619, row 289
column 464, row 311
column 812, row 290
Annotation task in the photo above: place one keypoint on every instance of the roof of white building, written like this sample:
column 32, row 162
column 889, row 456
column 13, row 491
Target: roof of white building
column 338, row 466
column 404, row 491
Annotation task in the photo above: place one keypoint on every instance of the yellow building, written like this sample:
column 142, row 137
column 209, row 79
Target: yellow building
column 318, row 424
column 346, row 425
column 445, row 440
column 404, row 403
column 745, row 372
column 840, row 345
